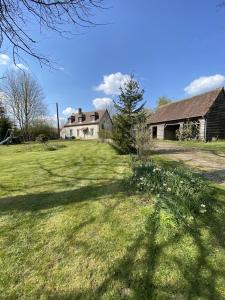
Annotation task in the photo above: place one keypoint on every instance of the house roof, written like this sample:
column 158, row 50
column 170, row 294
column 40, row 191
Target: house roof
column 197, row 106
column 87, row 119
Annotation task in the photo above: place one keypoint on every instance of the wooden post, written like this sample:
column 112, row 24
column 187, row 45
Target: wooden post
column 57, row 113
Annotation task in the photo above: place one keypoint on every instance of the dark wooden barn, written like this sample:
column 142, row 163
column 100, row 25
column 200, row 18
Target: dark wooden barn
column 207, row 109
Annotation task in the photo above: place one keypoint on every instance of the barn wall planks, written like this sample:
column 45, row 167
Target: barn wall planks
column 215, row 119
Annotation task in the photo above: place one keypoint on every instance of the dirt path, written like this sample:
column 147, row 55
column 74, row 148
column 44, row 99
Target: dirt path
column 211, row 164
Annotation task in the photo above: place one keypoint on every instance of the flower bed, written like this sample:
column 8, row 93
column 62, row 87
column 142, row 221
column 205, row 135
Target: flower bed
column 179, row 189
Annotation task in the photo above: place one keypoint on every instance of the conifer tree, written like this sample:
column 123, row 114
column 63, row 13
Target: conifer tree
column 129, row 107
column 5, row 123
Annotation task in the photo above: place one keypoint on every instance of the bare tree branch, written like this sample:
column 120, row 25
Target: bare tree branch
column 15, row 16
column 23, row 99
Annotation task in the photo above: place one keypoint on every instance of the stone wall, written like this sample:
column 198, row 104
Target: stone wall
column 160, row 131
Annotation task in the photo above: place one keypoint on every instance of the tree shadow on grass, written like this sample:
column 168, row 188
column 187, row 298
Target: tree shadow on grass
column 132, row 276
column 198, row 277
column 171, row 151
column 217, row 175
column 42, row 201
column 98, row 168
column 92, row 172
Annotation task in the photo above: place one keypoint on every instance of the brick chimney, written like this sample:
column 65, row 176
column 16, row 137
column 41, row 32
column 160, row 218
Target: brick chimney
column 79, row 111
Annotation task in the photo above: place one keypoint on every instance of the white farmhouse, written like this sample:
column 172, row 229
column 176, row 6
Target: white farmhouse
column 86, row 125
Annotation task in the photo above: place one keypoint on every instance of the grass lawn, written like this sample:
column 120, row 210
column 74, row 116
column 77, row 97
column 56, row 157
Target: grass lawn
column 71, row 229
column 217, row 146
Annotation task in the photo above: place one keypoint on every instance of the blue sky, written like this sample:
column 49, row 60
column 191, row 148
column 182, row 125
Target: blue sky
column 166, row 44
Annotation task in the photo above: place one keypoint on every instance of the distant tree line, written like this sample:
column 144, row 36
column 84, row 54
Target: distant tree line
column 163, row 101
column 22, row 108
column 5, row 123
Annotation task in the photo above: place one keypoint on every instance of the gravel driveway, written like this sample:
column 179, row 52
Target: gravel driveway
column 211, row 164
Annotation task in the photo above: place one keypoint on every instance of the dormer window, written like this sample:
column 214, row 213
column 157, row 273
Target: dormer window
column 72, row 118
column 94, row 116
column 80, row 119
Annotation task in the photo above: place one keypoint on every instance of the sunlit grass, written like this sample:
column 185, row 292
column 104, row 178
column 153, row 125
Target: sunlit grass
column 71, row 229
column 217, row 146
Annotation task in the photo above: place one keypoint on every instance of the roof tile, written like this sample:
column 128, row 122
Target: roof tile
column 87, row 119
column 197, row 106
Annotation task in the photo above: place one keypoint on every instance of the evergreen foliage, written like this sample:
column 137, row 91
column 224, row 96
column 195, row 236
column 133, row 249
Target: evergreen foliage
column 129, row 107
column 5, row 123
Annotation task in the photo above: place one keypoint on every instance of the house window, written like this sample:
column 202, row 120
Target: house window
column 92, row 131
column 78, row 132
column 71, row 132
column 80, row 119
column 93, row 118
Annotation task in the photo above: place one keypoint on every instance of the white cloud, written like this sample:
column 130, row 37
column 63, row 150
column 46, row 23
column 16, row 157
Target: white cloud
column 111, row 83
column 4, row 59
column 102, row 103
column 69, row 111
column 205, row 84
column 20, row 66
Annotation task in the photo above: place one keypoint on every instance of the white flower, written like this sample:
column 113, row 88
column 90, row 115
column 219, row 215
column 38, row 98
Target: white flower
column 202, row 205
column 169, row 190
column 181, row 181
column 164, row 184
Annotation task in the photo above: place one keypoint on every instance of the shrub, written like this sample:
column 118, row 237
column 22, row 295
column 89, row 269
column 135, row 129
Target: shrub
column 180, row 190
column 189, row 131
column 43, row 139
column 42, row 127
column 5, row 124
column 143, row 141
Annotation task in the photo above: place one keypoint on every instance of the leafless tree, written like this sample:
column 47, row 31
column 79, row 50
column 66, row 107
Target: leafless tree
column 16, row 17
column 23, row 99
column 144, row 142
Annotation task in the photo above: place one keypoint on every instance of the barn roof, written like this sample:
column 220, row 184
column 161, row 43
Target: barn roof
column 197, row 106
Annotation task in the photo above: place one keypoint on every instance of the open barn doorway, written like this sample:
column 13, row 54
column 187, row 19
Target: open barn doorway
column 154, row 132
column 170, row 132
